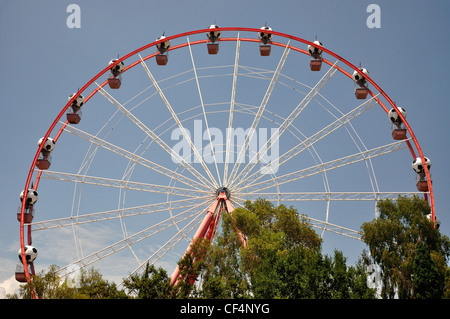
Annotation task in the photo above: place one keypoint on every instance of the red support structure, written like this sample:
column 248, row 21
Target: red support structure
column 208, row 227
column 208, row 223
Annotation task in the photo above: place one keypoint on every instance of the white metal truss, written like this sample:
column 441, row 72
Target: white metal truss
column 314, row 138
column 288, row 121
column 170, row 244
column 213, row 153
column 118, row 213
column 180, row 125
column 109, row 182
column 340, row 230
column 133, row 239
column 326, row 196
column 259, row 114
column 153, row 136
column 133, row 157
column 232, row 103
column 323, row 167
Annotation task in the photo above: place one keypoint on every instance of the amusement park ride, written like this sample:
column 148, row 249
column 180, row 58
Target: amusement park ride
column 223, row 194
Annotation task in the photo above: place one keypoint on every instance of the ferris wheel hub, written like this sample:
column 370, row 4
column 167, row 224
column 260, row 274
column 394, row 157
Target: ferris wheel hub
column 223, row 191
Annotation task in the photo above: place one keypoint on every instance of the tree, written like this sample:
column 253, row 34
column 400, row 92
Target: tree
column 90, row 285
column 393, row 238
column 152, row 284
column 223, row 275
column 47, row 285
column 282, row 259
column 428, row 281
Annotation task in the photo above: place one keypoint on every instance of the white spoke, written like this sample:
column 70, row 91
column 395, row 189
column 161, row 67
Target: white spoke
column 123, row 184
column 131, row 240
column 316, row 223
column 152, row 135
column 230, row 118
column 288, row 121
column 171, row 243
column 175, row 117
column 117, row 213
column 213, row 153
column 133, row 157
column 340, row 230
column 324, row 167
column 259, row 113
column 326, row 196
column 313, row 139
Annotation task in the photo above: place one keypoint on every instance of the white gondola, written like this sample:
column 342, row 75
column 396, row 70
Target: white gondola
column 361, row 91
column 115, row 77
column 437, row 221
column 213, row 39
column 266, row 39
column 316, row 53
column 421, row 177
column 163, row 47
column 30, row 255
column 73, row 114
column 398, row 127
column 44, row 160
column 32, row 197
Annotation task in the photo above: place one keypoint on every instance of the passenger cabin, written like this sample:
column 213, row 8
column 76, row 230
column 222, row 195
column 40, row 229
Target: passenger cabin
column 213, row 48
column 361, row 89
column 32, row 197
column 437, row 221
column 73, row 114
column 315, row 63
column 44, row 159
column 27, row 217
column 422, row 183
column 114, row 81
column 264, row 49
column 213, row 38
column 398, row 133
column 361, row 93
column 398, row 127
column 115, row 76
column 20, row 273
column 421, row 177
column 266, row 39
column 163, row 47
column 162, row 59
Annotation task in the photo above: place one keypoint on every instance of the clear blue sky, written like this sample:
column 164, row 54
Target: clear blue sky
column 43, row 61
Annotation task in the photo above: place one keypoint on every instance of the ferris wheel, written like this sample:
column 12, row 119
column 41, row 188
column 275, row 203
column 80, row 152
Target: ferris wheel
column 145, row 158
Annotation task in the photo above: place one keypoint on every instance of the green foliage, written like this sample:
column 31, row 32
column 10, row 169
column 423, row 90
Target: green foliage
column 393, row 239
column 281, row 259
column 90, row 285
column 428, row 281
column 152, row 284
